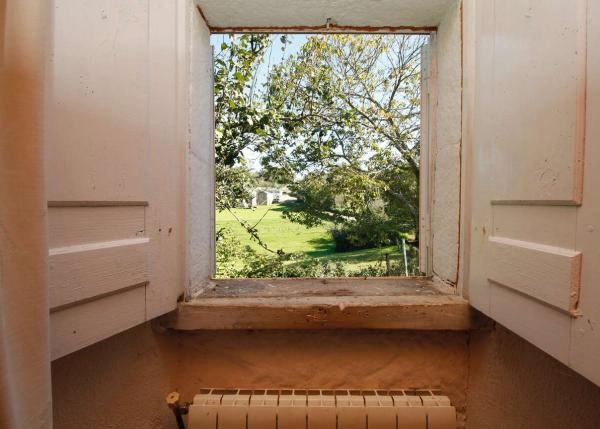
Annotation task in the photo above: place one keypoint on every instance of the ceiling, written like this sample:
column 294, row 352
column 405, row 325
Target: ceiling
column 256, row 14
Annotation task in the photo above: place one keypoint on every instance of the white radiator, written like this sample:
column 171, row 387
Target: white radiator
column 321, row 409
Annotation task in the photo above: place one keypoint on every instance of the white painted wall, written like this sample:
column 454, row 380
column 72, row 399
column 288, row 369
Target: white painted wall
column 200, row 168
column 314, row 13
column 446, row 148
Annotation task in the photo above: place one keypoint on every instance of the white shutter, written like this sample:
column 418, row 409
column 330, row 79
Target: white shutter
column 116, row 127
column 534, row 247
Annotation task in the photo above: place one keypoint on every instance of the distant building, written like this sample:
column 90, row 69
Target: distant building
column 264, row 198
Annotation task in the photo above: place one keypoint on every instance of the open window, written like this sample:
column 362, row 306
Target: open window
column 317, row 141
column 439, row 173
column 505, row 218
column 440, row 145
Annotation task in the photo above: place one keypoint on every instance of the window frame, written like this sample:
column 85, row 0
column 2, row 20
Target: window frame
column 200, row 256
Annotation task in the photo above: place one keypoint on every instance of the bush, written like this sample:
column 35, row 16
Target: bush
column 343, row 243
column 230, row 252
column 357, row 236
column 261, row 265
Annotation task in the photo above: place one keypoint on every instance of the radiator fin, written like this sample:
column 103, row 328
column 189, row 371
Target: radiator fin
column 321, row 409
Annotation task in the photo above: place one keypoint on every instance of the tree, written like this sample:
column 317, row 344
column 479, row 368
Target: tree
column 241, row 119
column 348, row 133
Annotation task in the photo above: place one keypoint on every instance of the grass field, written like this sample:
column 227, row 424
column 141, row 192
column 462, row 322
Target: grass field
column 280, row 233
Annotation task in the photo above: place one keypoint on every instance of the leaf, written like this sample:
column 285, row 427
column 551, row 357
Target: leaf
column 238, row 76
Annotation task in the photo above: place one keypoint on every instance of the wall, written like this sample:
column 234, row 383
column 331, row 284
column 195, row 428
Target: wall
column 446, row 146
column 512, row 382
column 200, row 165
column 502, row 380
column 122, row 381
column 25, row 400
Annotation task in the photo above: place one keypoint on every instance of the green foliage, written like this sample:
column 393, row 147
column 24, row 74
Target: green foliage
column 241, row 120
column 396, row 266
column 261, row 265
column 339, row 123
column 348, row 121
column 368, row 231
column 229, row 250
column 237, row 257
column 234, row 183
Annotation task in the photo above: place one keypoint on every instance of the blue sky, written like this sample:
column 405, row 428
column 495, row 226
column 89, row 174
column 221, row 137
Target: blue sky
column 276, row 54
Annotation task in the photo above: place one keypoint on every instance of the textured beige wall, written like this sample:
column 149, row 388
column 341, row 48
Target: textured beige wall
column 121, row 382
column 514, row 385
column 503, row 381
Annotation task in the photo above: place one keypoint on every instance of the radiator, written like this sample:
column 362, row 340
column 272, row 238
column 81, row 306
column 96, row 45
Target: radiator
column 321, row 409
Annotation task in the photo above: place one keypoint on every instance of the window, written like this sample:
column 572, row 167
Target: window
column 317, row 154
column 214, row 301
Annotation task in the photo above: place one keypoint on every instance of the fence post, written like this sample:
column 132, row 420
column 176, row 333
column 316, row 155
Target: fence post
column 404, row 253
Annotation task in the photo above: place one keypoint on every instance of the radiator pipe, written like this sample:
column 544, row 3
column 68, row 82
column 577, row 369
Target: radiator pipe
column 178, row 409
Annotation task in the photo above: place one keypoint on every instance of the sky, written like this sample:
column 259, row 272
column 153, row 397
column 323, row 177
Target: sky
column 276, row 54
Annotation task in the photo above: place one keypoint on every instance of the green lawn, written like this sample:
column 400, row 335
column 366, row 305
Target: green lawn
column 279, row 233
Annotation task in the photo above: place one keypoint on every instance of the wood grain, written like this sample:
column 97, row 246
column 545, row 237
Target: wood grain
column 538, row 323
column 79, row 326
column 306, row 287
column 436, row 312
column 547, row 273
column 81, row 272
column 77, row 225
column 98, row 203
column 585, row 330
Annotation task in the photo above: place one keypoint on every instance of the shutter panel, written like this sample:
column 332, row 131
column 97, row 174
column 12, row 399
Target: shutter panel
column 533, row 264
column 115, row 139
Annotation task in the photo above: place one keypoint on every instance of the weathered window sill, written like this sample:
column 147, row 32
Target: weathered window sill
column 356, row 303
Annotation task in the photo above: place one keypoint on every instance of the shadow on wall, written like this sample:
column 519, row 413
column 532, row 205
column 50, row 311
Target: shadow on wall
column 503, row 381
column 513, row 382
column 127, row 377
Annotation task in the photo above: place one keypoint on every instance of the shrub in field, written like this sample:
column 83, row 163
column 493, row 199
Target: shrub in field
column 372, row 230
